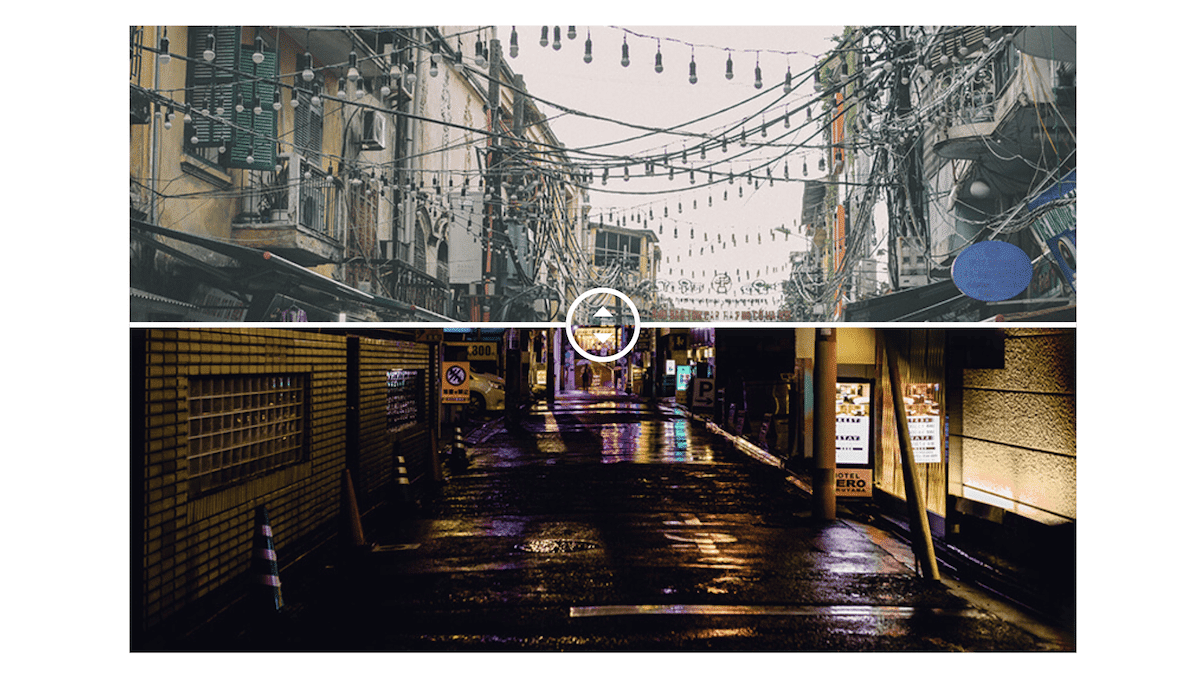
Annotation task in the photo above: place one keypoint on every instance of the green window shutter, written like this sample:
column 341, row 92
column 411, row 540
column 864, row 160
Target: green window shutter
column 254, row 135
column 212, row 83
column 310, row 124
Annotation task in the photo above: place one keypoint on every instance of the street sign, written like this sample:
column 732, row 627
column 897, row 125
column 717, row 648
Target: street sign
column 478, row 351
column 992, row 271
column 704, row 392
column 853, row 482
column 455, row 386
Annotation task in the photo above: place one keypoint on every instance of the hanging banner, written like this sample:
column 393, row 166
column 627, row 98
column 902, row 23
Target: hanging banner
column 924, row 422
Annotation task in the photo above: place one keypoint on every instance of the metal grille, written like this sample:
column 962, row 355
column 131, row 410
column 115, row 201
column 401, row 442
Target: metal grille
column 242, row 426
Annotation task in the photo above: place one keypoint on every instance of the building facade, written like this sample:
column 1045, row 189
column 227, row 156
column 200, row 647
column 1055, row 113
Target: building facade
column 326, row 174
column 965, row 134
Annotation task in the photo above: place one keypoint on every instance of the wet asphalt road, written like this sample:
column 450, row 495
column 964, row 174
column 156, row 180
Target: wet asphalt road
column 609, row 524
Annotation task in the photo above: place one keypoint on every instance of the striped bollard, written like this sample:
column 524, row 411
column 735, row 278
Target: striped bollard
column 458, row 452
column 402, row 481
column 264, row 565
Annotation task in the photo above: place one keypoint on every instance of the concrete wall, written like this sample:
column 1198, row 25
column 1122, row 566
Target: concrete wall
column 1019, row 427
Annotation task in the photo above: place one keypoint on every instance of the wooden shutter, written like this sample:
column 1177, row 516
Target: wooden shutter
column 310, row 123
column 255, row 134
column 212, row 82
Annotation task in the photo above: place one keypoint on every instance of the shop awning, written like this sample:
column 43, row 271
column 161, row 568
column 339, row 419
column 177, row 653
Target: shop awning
column 263, row 270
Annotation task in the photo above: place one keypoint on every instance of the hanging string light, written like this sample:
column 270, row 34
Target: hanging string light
column 625, row 51
column 512, row 44
column 571, row 33
column 729, row 66
column 545, row 36
column 658, row 63
column 164, row 51
column 758, row 82
column 352, row 68
column 557, row 38
column 692, row 68
column 210, row 48
column 480, row 52
column 258, row 55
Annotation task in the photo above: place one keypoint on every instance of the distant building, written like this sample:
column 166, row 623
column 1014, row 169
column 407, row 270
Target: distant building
column 628, row 258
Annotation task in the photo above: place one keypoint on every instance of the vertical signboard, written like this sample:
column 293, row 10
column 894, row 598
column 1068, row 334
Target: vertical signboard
column 403, row 399
column 853, row 423
column 455, row 381
column 924, row 422
column 853, row 439
column 683, row 377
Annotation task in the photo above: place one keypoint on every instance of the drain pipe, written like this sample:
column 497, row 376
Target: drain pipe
column 918, row 520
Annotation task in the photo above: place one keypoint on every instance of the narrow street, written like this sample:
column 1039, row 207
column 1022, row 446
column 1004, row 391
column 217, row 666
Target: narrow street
column 612, row 524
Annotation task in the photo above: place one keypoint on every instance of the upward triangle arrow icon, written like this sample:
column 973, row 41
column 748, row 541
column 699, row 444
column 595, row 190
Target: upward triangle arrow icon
column 603, row 313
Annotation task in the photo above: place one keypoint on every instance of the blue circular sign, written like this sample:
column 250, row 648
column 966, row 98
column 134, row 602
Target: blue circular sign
column 992, row 271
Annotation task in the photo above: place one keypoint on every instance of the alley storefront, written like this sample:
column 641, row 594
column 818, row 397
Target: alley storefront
column 324, row 427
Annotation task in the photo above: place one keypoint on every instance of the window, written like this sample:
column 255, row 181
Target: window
column 243, row 426
column 219, row 133
column 310, row 121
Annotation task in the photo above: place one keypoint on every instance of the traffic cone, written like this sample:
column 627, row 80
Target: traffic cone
column 353, row 537
column 264, row 567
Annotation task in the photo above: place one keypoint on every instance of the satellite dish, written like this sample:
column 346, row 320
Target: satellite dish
column 992, row 271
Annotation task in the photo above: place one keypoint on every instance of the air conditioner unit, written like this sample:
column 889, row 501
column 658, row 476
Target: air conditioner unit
column 374, row 131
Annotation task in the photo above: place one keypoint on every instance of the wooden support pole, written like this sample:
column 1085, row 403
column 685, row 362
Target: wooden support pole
column 918, row 519
column 825, row 424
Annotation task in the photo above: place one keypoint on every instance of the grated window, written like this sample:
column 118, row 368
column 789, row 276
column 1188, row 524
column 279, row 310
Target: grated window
column 242, row 426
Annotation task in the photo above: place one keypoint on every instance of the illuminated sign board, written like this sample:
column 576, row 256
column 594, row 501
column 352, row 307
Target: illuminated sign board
column 924, row 422
column 477, row 351
column 683, row 377
column 403, row 399
column 853, row 432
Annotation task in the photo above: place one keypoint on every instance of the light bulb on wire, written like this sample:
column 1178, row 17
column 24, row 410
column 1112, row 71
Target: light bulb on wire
column 306, row 61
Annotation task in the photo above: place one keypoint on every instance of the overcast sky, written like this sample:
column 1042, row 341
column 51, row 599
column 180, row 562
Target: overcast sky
column 638, row 95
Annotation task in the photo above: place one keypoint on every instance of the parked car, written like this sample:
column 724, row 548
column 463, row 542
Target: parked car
column 487, row 392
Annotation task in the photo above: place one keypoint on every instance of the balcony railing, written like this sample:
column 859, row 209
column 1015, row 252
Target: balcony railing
column 419, row 289
column 292, row 213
